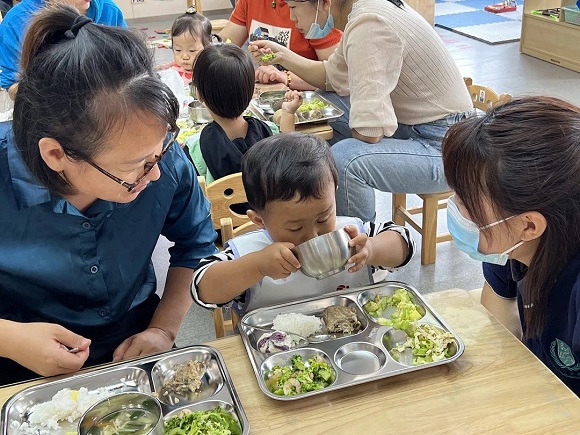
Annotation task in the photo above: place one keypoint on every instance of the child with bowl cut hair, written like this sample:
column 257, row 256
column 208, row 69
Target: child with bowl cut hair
column 290, row 181
column 223, row 77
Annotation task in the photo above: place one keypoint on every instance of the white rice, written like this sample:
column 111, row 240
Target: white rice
column 298, row 324
column 65, row 406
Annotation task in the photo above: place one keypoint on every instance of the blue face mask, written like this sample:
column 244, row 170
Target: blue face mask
column 466, row 234
column 315, row 32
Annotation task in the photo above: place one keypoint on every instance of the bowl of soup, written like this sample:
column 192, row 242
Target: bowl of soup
column 132, row 412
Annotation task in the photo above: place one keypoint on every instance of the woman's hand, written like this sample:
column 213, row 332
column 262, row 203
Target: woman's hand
column 292, row 101
column 277, row 261
column 268, row 52
column 152, row 340
column 270, row 74
column 43, row 348
column 362, row 246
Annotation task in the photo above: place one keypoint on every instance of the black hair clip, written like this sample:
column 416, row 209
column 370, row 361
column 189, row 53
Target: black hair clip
column 191, row 10
column 79, row 22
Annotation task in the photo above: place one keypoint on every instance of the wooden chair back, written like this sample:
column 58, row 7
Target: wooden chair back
column 484, row 98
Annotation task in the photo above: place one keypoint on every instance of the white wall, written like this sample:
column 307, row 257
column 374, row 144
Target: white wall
column 156, row 8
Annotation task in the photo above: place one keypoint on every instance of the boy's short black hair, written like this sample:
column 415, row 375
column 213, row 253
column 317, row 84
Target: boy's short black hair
column 280, row 167
column 194, row 23
column 224, row 77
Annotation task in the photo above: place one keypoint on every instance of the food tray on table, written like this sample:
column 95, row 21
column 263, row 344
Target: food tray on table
column 326, row 110
column 145, row 375
column 372, row 352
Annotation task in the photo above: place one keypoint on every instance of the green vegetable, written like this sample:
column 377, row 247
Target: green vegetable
column 427, row 343
column 315, row 104
column 406, row 310
column 217, row 421
column 300, row 377
column 268, row 56
column 186, row 128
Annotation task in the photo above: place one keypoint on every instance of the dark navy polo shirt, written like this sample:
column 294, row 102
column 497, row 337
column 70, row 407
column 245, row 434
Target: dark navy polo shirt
column 558, row 346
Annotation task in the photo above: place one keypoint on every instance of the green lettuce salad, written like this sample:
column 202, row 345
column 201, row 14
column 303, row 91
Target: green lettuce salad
column 217, row 421
column 406, row 310
column 300, row 377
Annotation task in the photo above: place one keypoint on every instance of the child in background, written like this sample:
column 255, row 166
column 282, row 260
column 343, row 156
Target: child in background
column 190, row 34
column 290, row 181
column 224, row 80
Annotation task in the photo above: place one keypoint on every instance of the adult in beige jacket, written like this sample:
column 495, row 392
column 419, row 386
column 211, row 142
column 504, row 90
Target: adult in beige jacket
column 405, row 91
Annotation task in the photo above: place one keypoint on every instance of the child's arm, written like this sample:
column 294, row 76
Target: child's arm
column 391, row 247
column 293, row 100
column 223, row 277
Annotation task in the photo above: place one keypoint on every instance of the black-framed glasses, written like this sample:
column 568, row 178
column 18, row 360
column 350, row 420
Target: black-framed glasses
column 167, row 143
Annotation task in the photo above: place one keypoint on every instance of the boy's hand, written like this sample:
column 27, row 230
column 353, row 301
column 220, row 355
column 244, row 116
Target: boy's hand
column 362, row 246
column 292, row 101
column 277, row 261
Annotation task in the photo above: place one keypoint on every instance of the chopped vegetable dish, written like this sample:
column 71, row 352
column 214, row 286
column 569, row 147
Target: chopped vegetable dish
column 428, row 344
column 217, row 421
column 300, row 377
column 315, row 104
column 268, row 56
column 406, row 310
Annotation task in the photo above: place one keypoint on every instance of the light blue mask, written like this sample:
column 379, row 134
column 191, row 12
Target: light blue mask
column 466, row 235
column 315, row 32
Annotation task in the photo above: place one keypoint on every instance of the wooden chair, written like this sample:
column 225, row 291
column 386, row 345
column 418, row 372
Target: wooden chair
column 221, row 194
column 216, row 25
column 483, row 98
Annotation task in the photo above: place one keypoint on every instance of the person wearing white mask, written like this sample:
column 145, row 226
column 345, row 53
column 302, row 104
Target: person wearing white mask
column 403, row 90
column 516, row 207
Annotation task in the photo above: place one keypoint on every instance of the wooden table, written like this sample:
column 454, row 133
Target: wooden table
column 496, row 386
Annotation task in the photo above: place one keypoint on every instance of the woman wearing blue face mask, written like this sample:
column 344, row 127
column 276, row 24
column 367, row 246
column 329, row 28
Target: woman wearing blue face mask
column 515, row 172
column 403, row 90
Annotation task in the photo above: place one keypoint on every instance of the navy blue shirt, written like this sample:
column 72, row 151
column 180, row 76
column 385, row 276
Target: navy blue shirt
column 87, row 270
column 558, row 346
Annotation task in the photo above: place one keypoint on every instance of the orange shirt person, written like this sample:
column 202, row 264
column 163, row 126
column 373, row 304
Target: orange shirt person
column 271, row 20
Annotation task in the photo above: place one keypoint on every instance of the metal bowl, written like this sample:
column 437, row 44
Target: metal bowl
column 198, row 113
column 324, row 255
column 143, row 409
column 271, row 101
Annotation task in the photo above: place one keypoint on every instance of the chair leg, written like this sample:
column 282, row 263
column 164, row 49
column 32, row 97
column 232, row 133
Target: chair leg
column 218, row 322
column 429, row 238
column 399, row 200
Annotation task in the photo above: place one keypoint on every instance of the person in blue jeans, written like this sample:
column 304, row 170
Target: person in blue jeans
column 404, row 90
column 516, row 208
column 90, row 176
column 16, row 22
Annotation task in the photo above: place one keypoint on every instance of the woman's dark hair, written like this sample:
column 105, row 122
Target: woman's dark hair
column 523, row 156
column 79, row 83
column 193, row 23
column 223, row 75
column 343, row 3
column 280, row 167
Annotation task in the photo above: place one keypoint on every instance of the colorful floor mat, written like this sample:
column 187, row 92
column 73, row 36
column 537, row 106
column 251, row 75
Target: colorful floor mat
column 468, row 18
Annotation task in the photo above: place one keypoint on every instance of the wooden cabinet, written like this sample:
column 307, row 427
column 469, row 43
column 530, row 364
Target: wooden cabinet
column 426, row 9
column 556, row 42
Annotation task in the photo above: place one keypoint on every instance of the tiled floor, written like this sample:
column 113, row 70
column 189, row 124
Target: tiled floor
column 501, row 67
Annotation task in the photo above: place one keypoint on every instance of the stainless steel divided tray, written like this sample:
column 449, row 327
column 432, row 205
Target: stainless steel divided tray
column 362, row 356
column 264, row 109
column 145, row 375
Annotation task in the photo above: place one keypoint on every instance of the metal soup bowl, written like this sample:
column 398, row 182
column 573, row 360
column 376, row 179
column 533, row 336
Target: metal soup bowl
column 199, row 113
column 140, row 405
column 324, row 255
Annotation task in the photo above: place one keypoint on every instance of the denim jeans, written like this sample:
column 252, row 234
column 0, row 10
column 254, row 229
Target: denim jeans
column 408, row 162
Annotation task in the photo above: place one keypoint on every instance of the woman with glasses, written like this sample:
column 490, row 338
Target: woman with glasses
column 90, row 176
column 516, row 208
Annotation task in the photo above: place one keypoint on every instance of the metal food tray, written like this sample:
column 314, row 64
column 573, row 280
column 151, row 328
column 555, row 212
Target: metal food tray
column 356, row 358
column 144, row 375
column 329, row 113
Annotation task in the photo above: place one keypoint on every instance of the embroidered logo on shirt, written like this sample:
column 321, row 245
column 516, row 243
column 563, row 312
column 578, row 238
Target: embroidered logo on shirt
column 564, row 358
